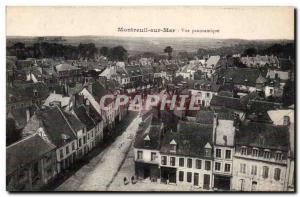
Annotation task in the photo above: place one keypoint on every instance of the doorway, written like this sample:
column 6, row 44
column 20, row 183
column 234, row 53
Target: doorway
column 206, row 182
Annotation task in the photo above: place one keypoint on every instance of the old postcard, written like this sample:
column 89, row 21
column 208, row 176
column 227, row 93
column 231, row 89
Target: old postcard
column 150, row 99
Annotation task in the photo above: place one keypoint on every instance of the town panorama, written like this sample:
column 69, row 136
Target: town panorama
column 118, row 114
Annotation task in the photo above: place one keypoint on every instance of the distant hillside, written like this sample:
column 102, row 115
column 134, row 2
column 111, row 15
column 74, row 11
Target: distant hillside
column 136, row 45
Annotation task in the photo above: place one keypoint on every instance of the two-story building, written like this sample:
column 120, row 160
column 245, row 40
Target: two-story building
column 204, row 91
column 260, row 159
column 30, row 164
column 52, row 125
column 223, row 151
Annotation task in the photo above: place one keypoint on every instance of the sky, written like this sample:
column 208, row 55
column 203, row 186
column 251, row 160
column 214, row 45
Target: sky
column 225, row 22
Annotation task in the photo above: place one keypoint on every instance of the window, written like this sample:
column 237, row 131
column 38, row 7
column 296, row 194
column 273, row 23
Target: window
column 227, row 167
column 254, row 186
column 140, row 154
column 267, row 154
column 189, row 177
column 265, row 173
column 61, row 153
column 228, row 154
column 217, row 166
column 189, row 163
column 80, row 142
column 181, row 175
column 255, row 152
column 207, row 165
column 84, row 139
column 243, row 168
column 88, row 136
column 172, row 161
column 278, row 156
column 218, row 153
column 271, row 91
column 67, row 150
column 254, row 170
column 277, row 174
column 207, row 152
column 164, row 160
column 73, row 146
column 207, row 95
column 181, row 162
column 198, row 163
column 243, row 150
column 153, row 156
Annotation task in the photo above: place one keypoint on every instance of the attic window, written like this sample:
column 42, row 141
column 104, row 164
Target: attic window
column 35, row 93
column 65, row 137
column 207, row 150
column 243, row 150
column 267, row 154
column 173, row 146
column 255, row 152
column 278, row 155
column 147, row 140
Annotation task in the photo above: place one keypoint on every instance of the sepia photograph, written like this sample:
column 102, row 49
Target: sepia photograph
column 150, row 99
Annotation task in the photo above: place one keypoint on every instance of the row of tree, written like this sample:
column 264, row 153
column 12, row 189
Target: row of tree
column 284, row 51
column 56, row 50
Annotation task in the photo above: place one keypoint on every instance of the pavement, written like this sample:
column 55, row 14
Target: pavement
column 99, row 173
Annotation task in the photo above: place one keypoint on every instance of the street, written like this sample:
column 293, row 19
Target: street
column 101, row 170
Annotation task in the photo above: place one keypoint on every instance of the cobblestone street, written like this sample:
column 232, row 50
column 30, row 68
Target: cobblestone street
column 99, row 172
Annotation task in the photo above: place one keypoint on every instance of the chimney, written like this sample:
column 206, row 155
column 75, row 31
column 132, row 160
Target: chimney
column 178, row 127
column 215, row 125
column 286, row 120
column 225, row 139
column 27, row 115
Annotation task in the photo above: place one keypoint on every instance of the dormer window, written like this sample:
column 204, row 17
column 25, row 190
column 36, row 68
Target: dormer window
column 243, row 150
column 267, row 154
column 35, row 93
column 208, row 87
column 207, row 150
column 255, row 152
column 173, row 146
column 65, row 137
column 278, row 155
column 147, row 141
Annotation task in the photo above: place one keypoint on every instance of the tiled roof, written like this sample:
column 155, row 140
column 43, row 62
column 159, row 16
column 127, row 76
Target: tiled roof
column 205, row 85
column 83, row 116
column 65, row 67
column 191, row 139
column 212, row 61
column 258, row 110
column 263, row 135
column 56, row 125
column 26, row 151
column 241, row 76
column 228, row 102
column 25, row 91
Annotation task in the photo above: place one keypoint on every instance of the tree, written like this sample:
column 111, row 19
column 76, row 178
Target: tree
column 12, row 133
column 104, row 51
column 87, row 51
column 288, row 96
column 250, row 52
column 169, row 50
column 118, row 53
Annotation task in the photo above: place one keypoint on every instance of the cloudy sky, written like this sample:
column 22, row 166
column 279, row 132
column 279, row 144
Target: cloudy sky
column 230, row 22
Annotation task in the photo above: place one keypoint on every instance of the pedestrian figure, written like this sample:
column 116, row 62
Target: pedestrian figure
column 125, row 181
column 133, row 180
